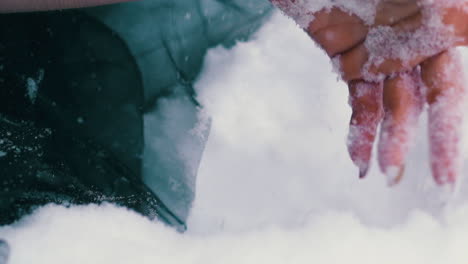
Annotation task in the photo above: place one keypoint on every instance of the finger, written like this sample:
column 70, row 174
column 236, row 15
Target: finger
column 331, row 17
column 352, row 62
column 337, row 31
column 366, row 102
column 7, row 6
column 443, row 76
column 340, row 38
column 402, row 102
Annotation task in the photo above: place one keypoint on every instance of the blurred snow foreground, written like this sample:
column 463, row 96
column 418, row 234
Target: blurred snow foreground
column 275, row 184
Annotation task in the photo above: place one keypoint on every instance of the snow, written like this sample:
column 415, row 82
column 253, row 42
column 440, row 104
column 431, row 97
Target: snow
column 446, row 113
column 4, row 251
column 275, row 185
column 32, row 86
column 302, row 10
column 396, row 130
column 111, row 235
column 385, row 42
column 406, row 41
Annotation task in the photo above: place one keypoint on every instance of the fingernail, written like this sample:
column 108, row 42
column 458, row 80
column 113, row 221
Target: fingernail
column 394, row 175
column 363, row 172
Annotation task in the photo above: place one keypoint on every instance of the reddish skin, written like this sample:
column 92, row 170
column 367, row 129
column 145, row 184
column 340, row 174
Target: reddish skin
column 366, row 101
column 354, row 59
column 9, row 6
column 403, row 103
column 347, row 31
column 445, row 96
column 401, row 98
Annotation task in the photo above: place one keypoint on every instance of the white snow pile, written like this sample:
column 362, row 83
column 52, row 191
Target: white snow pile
column 275, row 185
column 110, row 235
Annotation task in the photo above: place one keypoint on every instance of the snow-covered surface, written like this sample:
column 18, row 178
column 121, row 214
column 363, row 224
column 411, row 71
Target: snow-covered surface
column 275, row 185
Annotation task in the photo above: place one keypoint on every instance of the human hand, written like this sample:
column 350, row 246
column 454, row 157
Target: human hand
column 9, row 6
column 394, row 93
